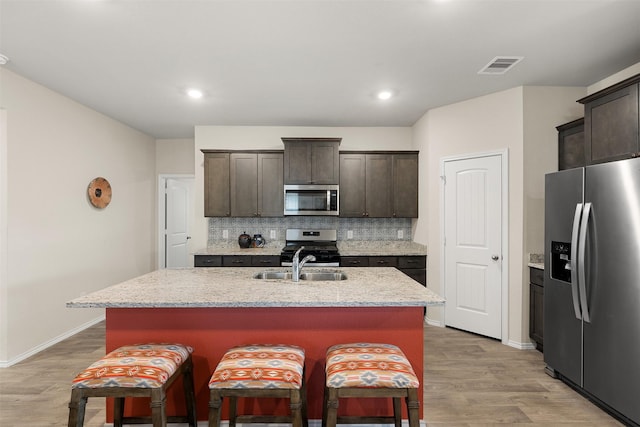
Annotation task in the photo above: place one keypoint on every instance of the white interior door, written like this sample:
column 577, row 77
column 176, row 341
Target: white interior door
column 178, row 195
column 473, row 244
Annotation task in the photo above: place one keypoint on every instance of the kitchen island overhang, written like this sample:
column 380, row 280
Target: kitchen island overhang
column 213, row 309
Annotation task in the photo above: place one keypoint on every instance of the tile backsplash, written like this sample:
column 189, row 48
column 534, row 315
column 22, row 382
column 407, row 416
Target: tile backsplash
column 362, row 228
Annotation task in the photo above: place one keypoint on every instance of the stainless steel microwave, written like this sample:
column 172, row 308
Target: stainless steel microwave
column 311, row 200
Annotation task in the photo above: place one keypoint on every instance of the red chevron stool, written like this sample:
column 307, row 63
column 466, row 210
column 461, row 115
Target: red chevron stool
column 259, row 370
column 365, row 370
column 143, row 370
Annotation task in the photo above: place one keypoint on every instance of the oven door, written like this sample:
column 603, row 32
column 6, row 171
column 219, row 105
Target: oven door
column 311, row 200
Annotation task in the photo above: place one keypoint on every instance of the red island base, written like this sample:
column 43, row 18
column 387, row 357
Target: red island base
column 211, row 331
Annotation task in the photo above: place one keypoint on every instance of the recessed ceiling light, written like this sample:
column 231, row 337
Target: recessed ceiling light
column 194, row 93
column 384, row 95
column 3, row 59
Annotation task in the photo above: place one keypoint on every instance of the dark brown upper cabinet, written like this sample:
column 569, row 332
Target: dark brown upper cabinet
column 379, row 184
column 571, row 145
column 611, row 122
column 244, row 184
column 216, row 184
column 311, row 160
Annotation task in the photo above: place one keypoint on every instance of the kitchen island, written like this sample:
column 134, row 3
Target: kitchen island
column 213, row 309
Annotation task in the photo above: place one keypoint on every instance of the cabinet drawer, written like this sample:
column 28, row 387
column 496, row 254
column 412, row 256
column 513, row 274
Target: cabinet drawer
column 207, row 261
column 536, row 276
column 265, row 261
column 383, row 261
column 354, row 261
column 236, row 261
column 412, row 262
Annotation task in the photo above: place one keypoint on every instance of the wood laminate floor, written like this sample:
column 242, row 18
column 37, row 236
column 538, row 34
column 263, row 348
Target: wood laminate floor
column 470, row 381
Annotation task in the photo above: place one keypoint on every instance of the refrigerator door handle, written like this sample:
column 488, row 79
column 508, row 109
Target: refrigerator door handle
column 584, row 225
column 574, row 261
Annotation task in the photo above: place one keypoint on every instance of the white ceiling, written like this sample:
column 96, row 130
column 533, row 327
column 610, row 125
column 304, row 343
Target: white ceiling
column 306, row 62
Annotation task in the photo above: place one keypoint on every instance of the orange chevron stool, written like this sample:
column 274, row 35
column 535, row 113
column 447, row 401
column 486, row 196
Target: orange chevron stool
column 143, row 370
column 369, row 370
column 259, row 370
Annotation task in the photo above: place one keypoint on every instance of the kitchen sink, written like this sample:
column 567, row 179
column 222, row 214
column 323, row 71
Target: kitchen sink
column 323, row 275
column 310, row 276
column 267, row 275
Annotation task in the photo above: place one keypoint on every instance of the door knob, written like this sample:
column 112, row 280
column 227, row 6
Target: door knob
column 495, row 257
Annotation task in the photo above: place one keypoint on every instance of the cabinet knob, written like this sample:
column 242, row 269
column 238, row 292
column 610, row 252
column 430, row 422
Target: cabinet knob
column 495, row 257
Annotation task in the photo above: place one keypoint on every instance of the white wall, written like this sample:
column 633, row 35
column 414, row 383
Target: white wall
column 175, row 156
column 58, row 245
column 521, row 120
column 269, row 138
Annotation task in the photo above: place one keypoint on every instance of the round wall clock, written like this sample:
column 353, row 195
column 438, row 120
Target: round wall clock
column 99, row 192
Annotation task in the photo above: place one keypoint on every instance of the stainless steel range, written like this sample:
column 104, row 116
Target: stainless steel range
column 319, row 243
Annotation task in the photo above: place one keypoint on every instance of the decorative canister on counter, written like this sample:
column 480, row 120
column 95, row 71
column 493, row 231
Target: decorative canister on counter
column 244, row 240
column 258, row 241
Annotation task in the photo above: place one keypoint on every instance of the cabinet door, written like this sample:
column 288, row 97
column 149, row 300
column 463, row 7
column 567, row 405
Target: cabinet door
column 383, row 261
column 270, row 185
column 378, row 186
column 352, row 185
column 207, row 261
column 265, row 260
column 571, row 145
column 216, row 184
column 405, row 185
column 244, row 184
column 236, row 261
column 325, row 162
column 611, row 126
column 297, row 162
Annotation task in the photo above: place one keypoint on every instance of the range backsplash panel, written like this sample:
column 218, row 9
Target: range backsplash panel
column 363, row 228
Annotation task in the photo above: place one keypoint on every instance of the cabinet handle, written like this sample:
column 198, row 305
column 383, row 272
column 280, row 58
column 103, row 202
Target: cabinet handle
column 382, row 262
column 237, row 261
column 355, row 262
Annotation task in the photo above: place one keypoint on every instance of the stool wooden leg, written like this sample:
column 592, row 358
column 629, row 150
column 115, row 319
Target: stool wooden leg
column 413, row 407
column 189, row 393
column 397, row 411
column 77, row 405
column 295, row 404
column 215, row 408
column 158, row 410
column 118, row 411
column 303, row 391
column 332, row 407
column 233, row 411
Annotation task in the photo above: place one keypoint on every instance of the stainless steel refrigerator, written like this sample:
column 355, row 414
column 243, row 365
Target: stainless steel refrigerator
column 592, row 282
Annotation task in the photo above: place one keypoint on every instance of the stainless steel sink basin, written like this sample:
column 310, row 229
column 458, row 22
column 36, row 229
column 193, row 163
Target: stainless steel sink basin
column 310, row 275
column 266, row 275
column 323, row 275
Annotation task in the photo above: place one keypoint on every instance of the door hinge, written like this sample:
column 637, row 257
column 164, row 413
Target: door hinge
column 444, row 179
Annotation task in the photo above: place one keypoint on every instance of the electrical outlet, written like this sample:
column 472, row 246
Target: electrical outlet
column 400, row 234
column 349, row 234
column 272, row 234
column 225, row 234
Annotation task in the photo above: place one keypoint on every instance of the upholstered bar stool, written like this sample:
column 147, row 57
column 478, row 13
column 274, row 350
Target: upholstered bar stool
column 145, row 370
column 369, row 370
column 259, row 370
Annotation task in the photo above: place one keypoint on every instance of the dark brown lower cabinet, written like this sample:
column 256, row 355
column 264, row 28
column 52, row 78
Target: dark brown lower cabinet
column 414, row 266
column 236, row 260
column 536, row 306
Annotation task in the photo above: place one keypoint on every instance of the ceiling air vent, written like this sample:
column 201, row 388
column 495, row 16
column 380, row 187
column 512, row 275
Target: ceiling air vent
column 500, row 64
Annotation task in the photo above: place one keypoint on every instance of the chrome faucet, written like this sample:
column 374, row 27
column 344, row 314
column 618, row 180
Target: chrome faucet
column 297, row 265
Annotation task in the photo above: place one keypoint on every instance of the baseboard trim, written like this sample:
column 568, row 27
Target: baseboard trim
column 51, row 342
column 521, row 345
column 433, row 322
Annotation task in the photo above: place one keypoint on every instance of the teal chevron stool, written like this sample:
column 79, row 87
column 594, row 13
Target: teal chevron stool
column 363, row 370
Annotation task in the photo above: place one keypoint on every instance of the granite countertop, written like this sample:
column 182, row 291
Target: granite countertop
column 345, row 247
column 272, row 248
column 538, row 265
column 235, row 287
column 380, row 248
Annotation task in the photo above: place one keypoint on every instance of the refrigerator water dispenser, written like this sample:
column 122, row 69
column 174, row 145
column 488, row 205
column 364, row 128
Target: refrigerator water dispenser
column 561, row 261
